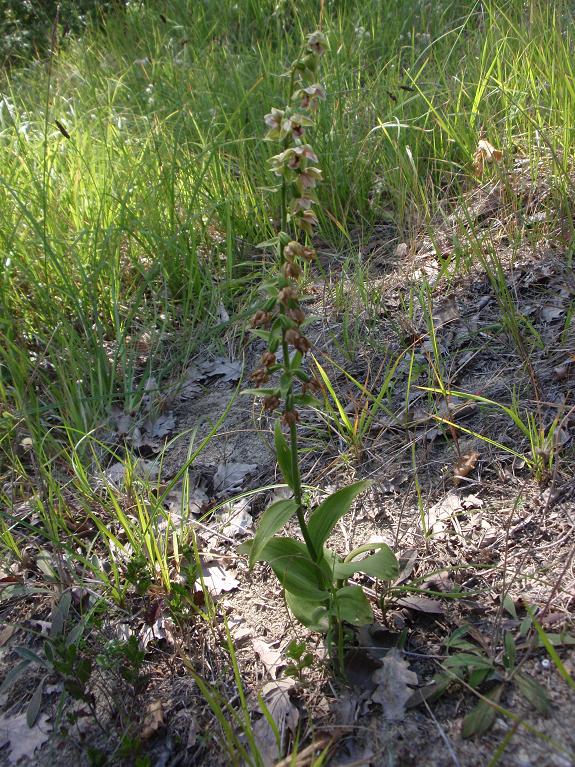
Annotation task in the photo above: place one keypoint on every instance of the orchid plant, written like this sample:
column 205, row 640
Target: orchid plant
column 314, row 578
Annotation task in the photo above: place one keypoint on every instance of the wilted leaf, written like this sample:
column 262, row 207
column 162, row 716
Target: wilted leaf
column 464, row 466
column 146, row 470
column 485, row 153
column 394, row 681
column 162, row 426
column 220, row 367
column 550, row 312
column 153, row 719
column 235, row 519
column 481, row 718
column 6, row 634
column 276, row 702
column 430, row 692
column 271, row 657
column 230, row 476
column 22, row 741
column 442, row 512
column 150, row 435
column 359, row 665
column 197, row 500
column 217, row 579
column 421, row 604
column 447, row 312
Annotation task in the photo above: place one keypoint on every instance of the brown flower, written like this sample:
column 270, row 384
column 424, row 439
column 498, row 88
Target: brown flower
column 308, row 178
column 287, row 294
column 299, row 342
column 313, row 385
column 309, row 96
column 291, row 270
column 307, row 220
column 296, row 314
column 260, row 376
column 261, row 319
column 293, row 248
column 308, row 254
column 271, row 402
column 290, row 417
column 268, row 359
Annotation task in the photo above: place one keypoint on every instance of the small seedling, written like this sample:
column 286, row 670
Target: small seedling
column 490, row 674
column 299, row 659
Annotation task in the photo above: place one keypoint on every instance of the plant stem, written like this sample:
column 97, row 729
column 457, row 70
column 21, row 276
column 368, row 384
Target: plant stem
column 296, row 476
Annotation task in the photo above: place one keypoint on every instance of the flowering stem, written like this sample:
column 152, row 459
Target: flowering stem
column 295, row 472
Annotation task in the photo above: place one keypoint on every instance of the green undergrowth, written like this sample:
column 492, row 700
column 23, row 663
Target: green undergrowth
column 135, row 188
column 133, row 183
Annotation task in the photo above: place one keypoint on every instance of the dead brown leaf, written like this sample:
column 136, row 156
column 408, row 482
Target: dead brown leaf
column 23, row 741
column 464, row 466
column 485, row 154
column 394, row 683
column 218, row 579
column 421, row 605
column 153, row 719
column 275, row 697
column 271, row 657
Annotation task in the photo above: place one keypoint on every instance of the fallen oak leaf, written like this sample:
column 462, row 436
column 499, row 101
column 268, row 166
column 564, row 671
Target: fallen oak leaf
column 22, row 740
column 394, row 682
column 464, row 466
column 153, row 719
column 422, row 605
column 485, row 153
column 230, row 476
column 275, row 704
column 272, row 658
column 217, row 579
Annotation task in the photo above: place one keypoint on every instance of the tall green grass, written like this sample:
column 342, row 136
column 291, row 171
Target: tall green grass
column 144, row 220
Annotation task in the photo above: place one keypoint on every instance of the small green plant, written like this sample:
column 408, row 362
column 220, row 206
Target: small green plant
column 543, row 444
column 315, row 579
column 355, row 429
column 490, row 673
column 299, row 659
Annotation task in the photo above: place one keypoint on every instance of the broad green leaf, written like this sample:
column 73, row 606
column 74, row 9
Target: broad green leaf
column 480, row 719
column 478, row 676
column 533, row 692
column 351, row 605
column 273, row 519
column 325, row 517
column 382, row 565
column 263, row 392
column 509, row 605
column 510, row 651
column 245, row 548
column 467, row 660
column 295, row 569
column 33, row 708
column 283, row 453
column 311, row 614
column 307, row 400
